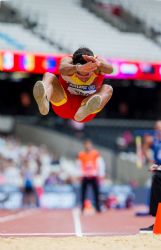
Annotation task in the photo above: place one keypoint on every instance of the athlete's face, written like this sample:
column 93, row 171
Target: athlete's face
column 158, row 128
column 88, row 145
column 84, row 77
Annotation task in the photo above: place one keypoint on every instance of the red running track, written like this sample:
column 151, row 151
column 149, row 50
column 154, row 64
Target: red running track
column 38, row 222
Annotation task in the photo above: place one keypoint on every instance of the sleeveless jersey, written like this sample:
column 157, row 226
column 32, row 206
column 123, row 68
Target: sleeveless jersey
column 88, row 162
column 78, row 87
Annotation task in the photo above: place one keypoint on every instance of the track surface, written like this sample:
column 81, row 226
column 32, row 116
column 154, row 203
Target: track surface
column 38, row 222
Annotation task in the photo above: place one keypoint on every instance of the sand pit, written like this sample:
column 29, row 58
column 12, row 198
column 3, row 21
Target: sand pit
column 136, row 242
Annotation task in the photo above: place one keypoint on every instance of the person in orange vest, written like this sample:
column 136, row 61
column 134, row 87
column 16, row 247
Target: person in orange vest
column 88, row 161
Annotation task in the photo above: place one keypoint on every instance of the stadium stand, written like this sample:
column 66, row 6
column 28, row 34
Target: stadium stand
column 57, row 21
column 69, row 36
column 147, row 12
column 114, row 14
column 15, row 36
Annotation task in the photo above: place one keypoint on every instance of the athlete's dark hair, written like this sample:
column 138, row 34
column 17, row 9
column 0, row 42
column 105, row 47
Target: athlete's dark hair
column 77, row 56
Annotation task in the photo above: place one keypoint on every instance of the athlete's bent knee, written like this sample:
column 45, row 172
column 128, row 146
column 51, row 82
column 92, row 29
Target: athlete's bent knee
column 48, row 76
column 108, row 89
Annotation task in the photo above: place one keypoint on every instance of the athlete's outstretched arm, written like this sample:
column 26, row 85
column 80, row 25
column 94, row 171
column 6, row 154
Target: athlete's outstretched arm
column 67, row 68
column 102, row 65
column 147, row 143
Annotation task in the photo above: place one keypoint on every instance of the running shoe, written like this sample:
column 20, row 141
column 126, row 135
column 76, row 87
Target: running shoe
column 41, row 98
column 91, row 106
column 147, row 229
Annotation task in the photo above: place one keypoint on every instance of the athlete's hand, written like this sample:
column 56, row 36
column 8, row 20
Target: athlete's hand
column 87, row 68
column 153, row 168
column 89, row 58
column 92, row 59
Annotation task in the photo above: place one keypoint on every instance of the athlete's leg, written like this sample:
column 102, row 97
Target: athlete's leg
column 105, row 93
column 84, row 186
column 95, row 186
column 54, row 90
column 94, row 103
column 49, row 89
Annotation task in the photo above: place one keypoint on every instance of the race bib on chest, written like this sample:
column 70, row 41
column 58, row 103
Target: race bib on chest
column 84, row 90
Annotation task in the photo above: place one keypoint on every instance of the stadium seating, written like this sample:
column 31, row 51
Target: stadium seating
column 147, row 11
column 59, row 21
column 15, row 36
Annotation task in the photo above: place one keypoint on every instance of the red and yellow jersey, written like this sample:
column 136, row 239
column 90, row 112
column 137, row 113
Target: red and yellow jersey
column 88, row 162
column 75, row 86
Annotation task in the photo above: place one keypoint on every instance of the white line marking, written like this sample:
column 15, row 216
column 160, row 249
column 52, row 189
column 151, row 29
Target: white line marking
column 77, row 222
column 17, row 215
column 107, row 233
column 36, row 234
column 65, row 234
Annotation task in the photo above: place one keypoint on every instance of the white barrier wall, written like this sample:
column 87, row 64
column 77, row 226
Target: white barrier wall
column 121, row 170
column 6, row 124
column 60, row 143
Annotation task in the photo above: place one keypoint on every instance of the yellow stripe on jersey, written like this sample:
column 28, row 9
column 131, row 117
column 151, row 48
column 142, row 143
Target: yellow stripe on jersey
column 61, row 102
column 77, row 81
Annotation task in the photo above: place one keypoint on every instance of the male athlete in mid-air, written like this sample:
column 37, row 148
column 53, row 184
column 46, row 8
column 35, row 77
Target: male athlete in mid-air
column 80, row 92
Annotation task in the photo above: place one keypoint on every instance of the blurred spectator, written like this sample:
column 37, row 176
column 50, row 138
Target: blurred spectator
column 88, row 161
column 25, row 99
column 25, row 107
column 29, row 195
column 130, row 201
column 53, row 179
column 28, row 168
column 2, row 177
column 11, row 173
column 125, row 141
column 123, row 110
column 55, row 160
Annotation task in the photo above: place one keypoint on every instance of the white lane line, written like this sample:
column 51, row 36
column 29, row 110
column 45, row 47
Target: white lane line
column 107, row 233
column 64, row 234
column 77, row 222
column 17, row 215
column 36, row 234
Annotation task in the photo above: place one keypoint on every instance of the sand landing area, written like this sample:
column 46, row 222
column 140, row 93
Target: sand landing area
column 135, row 242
